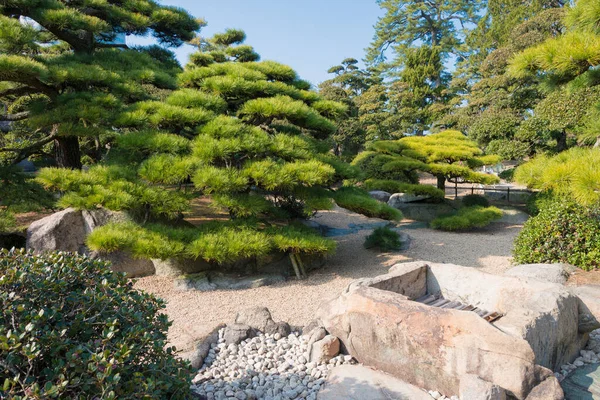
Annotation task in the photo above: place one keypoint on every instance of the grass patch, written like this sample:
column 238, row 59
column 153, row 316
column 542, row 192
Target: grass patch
column 467, row 218
column 384, row 238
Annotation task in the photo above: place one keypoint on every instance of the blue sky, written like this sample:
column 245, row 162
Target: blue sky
column 308, row 35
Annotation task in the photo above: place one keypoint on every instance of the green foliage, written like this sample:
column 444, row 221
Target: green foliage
column 471, row 200
column 467, row 218
column 572, row 174
column 562, row 232
column 359, row 201
column 508, row 174
column 538, row 201
column 384, row 239
column 217, row 242
column 71, row 328
column 509, row 149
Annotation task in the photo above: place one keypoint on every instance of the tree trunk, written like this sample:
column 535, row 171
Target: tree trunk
column 561, row 142
column 67, row 152
column 441, row 182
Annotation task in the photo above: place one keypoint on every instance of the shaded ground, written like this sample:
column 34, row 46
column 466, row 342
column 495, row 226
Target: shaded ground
column 196, row 313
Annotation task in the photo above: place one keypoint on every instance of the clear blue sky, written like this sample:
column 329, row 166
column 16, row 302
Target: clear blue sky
column 308, row 35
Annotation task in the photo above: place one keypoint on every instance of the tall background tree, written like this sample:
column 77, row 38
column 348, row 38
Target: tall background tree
column 412, row 43
column 63, row 74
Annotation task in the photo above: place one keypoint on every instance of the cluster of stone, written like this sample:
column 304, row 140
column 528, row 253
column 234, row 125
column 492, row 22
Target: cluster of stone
column 590, row 355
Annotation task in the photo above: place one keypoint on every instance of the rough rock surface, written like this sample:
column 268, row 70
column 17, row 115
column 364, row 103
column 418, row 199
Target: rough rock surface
column 177, row 267
column 434, row 347
column 589, row 306
column 474, row 388
column 122, row 261
column 555, row 273
column 235, row 333
column 398, row 199
column 256, row 317
column 325, row 349
column 547, row 390
column 380, row 195
column 357, row 382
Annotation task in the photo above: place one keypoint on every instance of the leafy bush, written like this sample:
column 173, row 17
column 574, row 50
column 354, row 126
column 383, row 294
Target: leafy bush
column 73, row 329
column 507, row 174
column 561, row 232
column 538, row 201
column 359, row 201
column 475, row 200
column 384, row 238
column 7, row 221
column 467, row 218
column 402, row 187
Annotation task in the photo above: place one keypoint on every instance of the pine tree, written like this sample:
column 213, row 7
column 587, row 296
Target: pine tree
column 421, row 37
column 448, row 155
column 64, row 74
column 249, row 135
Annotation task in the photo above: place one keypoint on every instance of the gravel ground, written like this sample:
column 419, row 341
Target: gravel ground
column 195, row 314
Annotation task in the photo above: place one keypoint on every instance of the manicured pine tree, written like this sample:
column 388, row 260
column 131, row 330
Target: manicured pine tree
column 448, row 155
column 250, row 135
column 65, row 76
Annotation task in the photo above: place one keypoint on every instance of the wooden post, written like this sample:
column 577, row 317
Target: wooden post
column 472, row 189
column 455, row 190
column 508, row 194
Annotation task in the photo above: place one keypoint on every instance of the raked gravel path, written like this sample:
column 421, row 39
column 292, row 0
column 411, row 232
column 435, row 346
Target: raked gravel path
column 195, row 314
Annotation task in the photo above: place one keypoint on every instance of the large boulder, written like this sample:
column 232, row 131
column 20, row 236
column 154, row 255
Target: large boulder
column 398, row 199
column 380, row 325
column 67, row 230
column 555, row 273
column 473, row 387
column 547, row 390
column 380, row 195
column 589, row 306
column 357, row 382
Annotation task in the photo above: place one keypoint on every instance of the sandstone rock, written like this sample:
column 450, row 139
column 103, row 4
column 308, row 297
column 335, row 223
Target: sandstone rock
column 235, row 333
column 315, row 335
column 256, row 317
column 549, row 389
column 356, row 382
column 122, row 261
column 434, row 347
column 555, row 273
column 474, row 388
column 177, row 267
column 197, row 281
column 398, row 199
column 380, row 195
column 324, row 349
column 312, row 325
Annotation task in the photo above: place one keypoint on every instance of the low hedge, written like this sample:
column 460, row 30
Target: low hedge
column 359, row 201
column 562, row 232
column 471, row 200
column 467, row 218
column 72, row 329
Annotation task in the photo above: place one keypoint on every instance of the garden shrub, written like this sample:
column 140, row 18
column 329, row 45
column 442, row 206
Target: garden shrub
column 73, row 329
column 475, row 200
column 384, row 238
column 562, row 232
column 508, row 174
column 359, row 201
column 467, row 218
column 538, row 201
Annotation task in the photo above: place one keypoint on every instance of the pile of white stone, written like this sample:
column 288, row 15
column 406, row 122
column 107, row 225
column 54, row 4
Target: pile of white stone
column 590, row 355
column 269, row 366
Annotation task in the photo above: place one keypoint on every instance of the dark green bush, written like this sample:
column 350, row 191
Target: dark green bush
column 467, row 218
column 384, row 238
column 475, row 200
column 359, row 201
column 561, row 232
column 538, row 201
column 73, row 329
column 508, row 174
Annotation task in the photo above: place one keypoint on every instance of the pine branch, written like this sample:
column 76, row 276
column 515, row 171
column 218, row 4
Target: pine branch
column 15, row 117
column 19, row 91
column 23, row 153
column 111, row 45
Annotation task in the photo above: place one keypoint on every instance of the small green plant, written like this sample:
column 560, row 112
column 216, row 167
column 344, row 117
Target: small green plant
column 561, row 232
column 359, row 201
column 471, row 200
column 467, row 218
column 508, row 174
column 384, row 238
column 70, row 328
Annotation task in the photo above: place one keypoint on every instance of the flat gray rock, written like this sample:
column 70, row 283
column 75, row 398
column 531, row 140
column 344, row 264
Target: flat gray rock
column 356, row 382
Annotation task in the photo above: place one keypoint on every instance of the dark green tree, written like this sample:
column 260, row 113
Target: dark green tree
column 249, row 135
column 63, row 74
column 417, row 38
